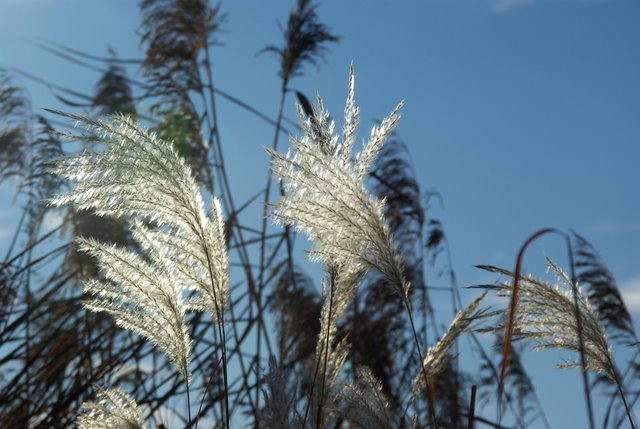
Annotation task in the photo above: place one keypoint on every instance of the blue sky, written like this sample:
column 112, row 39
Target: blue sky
column 521, row 113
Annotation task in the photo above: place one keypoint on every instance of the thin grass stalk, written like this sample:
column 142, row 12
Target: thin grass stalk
column 574, row 286
column 318, row 362
column 7, row 262
column 472, row 408
column 238, row 342
column 313, row 385
column 622, row 395
column 354, row 329
column 14, row 325
column 242, row 251
column 32, row 241
column 432, row 410
column 506, row 349
column 495, row 374
column 214, row 135
column 32, row 234
column 583, row 361
column 230, row 207
column 188, row 402
column 242, row 104
column 14, row 239
column 304, row 40
column 28, row 337
column 457, row 306
column 326, row 354
column 632, row 403
column 206, row 389
column 89, row 341
column 223, row 341
column 263, row 233
column 487, row 422
column 33, row 262
column 612, row 398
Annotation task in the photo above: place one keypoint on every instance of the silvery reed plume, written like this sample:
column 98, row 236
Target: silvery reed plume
column 181, row 261
column 178, row 262
column 437, row 356
column 326, row 196
column 365, row 406
column 546, row 315
column 112, row 409
column 327, row 199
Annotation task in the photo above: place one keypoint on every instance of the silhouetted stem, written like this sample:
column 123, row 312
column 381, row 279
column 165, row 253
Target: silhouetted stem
column 622, row 395
column 263, row 233
column 326, row 353
column 432, row 410
column 186, row 379
column 472, row 408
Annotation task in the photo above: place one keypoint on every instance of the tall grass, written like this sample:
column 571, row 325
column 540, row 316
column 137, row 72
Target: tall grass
column 221, row 323
column 179, row 263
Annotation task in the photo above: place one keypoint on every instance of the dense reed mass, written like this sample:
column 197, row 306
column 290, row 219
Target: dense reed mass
column 222, row 325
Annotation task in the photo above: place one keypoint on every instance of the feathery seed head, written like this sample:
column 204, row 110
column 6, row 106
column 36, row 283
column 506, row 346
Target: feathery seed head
column 326, row 196
column 365, row 406
column 143, row 297
column 113, row 408
column 437, row 356
column 546, row 314
column 182, row 262
column 279, row 410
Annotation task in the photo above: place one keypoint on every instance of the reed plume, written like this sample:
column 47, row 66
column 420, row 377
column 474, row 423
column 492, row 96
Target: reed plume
column 364, row 404
column 326, row 196
column 181, row 261
column 546, row 315
column 437, row 356
column 112, row 409
column 305, row 39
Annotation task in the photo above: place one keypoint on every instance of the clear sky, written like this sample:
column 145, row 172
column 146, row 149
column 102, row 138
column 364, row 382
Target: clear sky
column 521, row 113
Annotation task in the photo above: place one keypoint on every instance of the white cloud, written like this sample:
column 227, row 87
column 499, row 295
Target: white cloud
column 508, row 5
column 14, row 3
column 612, row 227
column 631, row 294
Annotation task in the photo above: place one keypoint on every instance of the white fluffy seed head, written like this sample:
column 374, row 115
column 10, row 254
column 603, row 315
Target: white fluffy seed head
column 546, row 315
column 326, row 196
column 181, row 263
column 112, row 408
